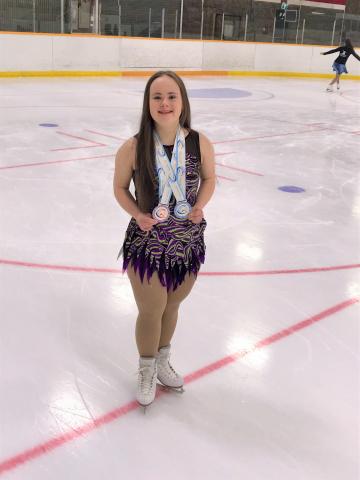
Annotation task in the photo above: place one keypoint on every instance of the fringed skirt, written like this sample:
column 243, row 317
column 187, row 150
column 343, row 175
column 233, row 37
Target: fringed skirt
column 172, row 249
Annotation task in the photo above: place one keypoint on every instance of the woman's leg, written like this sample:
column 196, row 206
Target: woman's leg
column 170, row 314
column 335, row 79
column 151, row 300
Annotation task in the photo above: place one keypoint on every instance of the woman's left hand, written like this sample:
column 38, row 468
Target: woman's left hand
column 196, row 215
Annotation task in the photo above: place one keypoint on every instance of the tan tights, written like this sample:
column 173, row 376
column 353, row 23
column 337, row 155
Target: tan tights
column 158, row 311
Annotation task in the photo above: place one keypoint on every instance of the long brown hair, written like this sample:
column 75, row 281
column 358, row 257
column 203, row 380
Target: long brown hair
column 145, row 170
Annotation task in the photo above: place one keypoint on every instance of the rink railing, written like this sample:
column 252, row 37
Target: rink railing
column 248, row 20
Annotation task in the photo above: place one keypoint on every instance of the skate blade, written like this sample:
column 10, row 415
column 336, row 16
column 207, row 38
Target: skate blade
column 144, row 407
column 171, row 389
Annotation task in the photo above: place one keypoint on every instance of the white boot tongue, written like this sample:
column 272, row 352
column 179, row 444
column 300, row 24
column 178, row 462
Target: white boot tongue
column 148, row 361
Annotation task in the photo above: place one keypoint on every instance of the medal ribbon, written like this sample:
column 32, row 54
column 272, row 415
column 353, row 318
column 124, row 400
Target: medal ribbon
column 171, row 174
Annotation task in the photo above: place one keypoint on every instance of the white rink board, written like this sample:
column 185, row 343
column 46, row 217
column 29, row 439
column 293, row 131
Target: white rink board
column 85, row 53
column 229, row 56
column 31, row 52
column 142, row 53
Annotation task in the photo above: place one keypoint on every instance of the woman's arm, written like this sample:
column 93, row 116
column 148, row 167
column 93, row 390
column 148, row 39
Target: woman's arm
column 124, row 167
column 331, row 51
column 207, row 179
column 355, row 55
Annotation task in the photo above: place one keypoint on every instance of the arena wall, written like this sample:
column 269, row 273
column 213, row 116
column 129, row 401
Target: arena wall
column 45, row 54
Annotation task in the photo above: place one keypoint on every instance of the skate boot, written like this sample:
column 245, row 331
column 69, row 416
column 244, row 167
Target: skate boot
column 165, row 372
column 329, row 88
column 146, row 381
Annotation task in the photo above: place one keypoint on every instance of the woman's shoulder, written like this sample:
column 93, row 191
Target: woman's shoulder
column 129, row 144
column 127, row 151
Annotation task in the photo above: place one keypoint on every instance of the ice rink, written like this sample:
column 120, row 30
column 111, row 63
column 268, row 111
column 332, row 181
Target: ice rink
column 269, row 338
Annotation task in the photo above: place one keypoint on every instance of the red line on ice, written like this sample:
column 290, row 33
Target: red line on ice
column 73, row 268
column 269, row 136
column 46, row 447
column 226, row 178
column 37, row 164
column 94, row 144
column 239, row 169
column 105, row 135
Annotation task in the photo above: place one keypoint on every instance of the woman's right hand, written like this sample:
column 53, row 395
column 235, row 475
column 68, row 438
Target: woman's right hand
column 145, row 221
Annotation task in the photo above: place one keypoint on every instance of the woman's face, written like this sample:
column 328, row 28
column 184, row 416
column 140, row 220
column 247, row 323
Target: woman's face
column 165, row 101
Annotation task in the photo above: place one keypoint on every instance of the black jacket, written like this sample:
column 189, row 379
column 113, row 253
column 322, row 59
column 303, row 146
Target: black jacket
column 345, row 53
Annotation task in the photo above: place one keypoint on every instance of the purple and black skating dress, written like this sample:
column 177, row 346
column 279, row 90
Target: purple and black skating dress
column 174, row 248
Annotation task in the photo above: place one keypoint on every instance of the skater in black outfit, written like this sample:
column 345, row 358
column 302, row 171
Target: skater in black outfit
column 164, row 244
column 339, row 66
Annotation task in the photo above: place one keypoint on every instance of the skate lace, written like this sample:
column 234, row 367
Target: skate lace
column 146, row 378
column 172, row 371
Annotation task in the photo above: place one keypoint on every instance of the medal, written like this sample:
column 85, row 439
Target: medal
column 161, row 213
column 172, row 178
column 182, row 209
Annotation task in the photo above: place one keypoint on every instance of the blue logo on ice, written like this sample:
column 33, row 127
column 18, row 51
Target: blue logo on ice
column 291, row 189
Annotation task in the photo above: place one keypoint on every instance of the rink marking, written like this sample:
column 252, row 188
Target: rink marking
column 50, row 445
column 226, row 178
column 250, row 172
column 94, row 144
column 76, row 148
column 269, row 340
column 323, row 125
column 50, row 162
column 270, row 136
column 105, row 135
column 71, row 268
column 37, row 164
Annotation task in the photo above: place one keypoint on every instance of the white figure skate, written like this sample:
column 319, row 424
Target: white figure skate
column 146, row 381
column 166, row 374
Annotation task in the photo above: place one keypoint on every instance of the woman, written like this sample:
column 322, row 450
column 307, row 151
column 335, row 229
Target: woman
column 164, row 243
column 339, row 64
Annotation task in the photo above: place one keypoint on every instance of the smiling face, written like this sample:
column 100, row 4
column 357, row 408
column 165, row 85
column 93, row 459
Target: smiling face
column 165, row 101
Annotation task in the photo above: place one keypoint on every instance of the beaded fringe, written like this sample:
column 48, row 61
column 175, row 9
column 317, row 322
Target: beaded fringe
column 170, row 276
